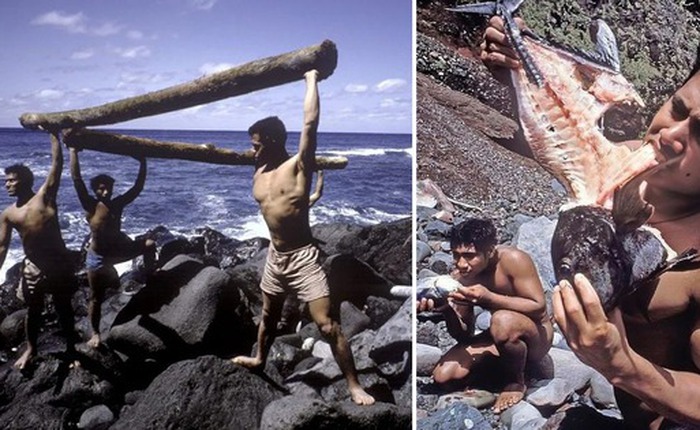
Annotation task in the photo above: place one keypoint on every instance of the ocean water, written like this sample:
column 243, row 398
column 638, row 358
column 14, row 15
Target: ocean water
column 185, row 195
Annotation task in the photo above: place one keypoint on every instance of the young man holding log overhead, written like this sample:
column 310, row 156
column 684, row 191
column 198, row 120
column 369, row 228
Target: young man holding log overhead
column 46, row 268
column 108, row 244
column 281, row 186
column 649, row 346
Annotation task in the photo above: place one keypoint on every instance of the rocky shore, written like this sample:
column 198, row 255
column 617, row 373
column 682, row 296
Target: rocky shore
column 168, row 337
column 465, row 125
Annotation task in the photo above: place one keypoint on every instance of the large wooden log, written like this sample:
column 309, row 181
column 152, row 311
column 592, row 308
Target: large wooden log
column 135, row 146
column 253, row 76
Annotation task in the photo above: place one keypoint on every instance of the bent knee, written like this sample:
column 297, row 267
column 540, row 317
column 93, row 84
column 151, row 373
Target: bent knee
column 328, row 328
column 507, row 326
column 448, row 372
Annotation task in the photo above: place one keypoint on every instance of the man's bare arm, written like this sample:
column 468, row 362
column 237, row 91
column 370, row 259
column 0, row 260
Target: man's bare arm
column 83, row 195
column 5, row 234
column 600, row 341
column 307, row 140
column 134, row 191
column 460, row 321
column 529, row 295
column 318, row 192
column 49, row 190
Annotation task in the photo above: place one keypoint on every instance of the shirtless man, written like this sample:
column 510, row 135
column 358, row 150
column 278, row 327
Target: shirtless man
column 648, row 347
column 108, row 244
column 503, row 280
column 281, row 186
column 46, row 268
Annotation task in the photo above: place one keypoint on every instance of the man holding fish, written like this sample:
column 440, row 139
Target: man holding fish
column 504, row 280
column 648, row 347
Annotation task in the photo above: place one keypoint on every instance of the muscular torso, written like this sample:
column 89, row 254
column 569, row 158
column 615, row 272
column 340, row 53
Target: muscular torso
column 37, row 225
column 105, row 226
column 283, row 196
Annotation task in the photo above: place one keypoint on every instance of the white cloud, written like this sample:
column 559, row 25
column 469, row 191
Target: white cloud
column 82, row 55
column 107, row 29
column 387, row 103
column 389, row 85
column 71, row 23
column 49, row 94
column 141, row 78
column 211, row 68
column 356, row 88
column 203, row 4
column 134, row 52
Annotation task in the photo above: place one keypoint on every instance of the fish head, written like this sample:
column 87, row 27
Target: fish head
column 585, row 241
column 608, row 87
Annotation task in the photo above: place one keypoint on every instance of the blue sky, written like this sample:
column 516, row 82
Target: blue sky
column 59, row 54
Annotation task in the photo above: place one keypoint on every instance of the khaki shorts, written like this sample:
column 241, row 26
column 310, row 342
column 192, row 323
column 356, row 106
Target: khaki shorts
column 297, row 271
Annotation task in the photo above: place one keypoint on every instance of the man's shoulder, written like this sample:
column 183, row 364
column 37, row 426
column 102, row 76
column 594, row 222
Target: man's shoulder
column 510, row 258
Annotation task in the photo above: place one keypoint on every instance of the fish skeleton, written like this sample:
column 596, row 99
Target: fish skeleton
column 561, row 95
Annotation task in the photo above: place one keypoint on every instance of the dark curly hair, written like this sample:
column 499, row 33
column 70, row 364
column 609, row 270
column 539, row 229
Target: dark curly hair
column 23, row 173
column 101, row 179
column 271, row 130
column 474, row 231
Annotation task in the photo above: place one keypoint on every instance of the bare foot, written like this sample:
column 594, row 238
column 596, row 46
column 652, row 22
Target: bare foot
column 252, row 363
column 511, row 394
column 23, row 361
column 94, row 341
column 360, row 396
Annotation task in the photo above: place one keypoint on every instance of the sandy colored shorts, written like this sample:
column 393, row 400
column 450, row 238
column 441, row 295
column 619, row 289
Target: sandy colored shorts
column 297, row 271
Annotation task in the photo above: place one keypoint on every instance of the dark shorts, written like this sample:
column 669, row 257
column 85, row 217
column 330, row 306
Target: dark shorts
column 59, row 280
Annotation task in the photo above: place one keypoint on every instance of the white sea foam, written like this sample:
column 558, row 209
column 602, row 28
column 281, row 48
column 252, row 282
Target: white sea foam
column 249, row 227
column 366, row 152
column 347, row 213
column 14, row 256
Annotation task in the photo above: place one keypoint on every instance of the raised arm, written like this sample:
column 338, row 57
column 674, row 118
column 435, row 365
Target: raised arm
column 83, row 195
column 49, row 190
column 307, row 141
column 134, row 191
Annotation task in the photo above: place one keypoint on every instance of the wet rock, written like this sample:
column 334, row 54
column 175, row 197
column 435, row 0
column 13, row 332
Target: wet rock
column 352, row 320
column 549, row 394
column 602, row 392
column 181, row 397
column 96, row 418
column 426, row 358
column 386, row 247
column 568, row 367
column 291, row 412
column 392, row 345
column 12, row 327
column 479, row 399
column 522, row 416
column 380, row 310
column 457, row 416
column 186, row 309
